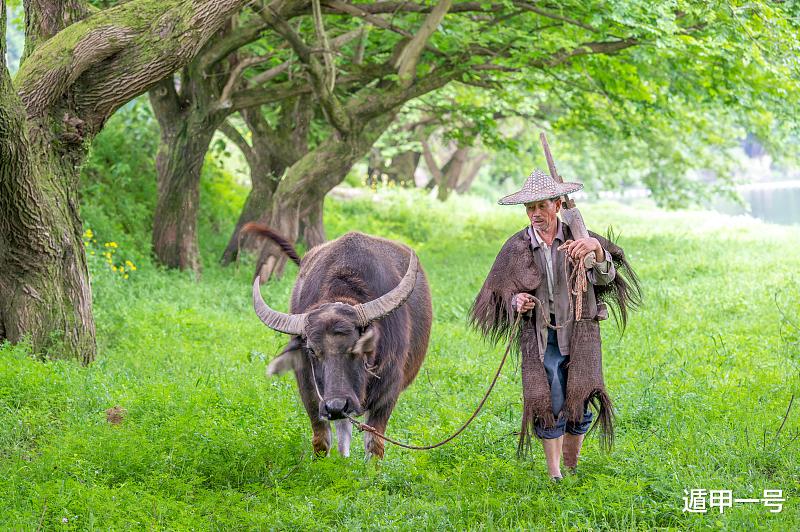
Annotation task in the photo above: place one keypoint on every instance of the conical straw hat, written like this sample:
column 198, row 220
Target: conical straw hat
column 539, row 186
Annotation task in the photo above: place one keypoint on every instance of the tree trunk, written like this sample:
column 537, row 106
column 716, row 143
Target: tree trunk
column 256, row 209
column 302, row 191
column 179, row 165
column 45, row 295
column 403, row 167
column 451, row 172
column 469, row 173
column 272, row 152
column 374, row 167
column 71, row 81
column 313, row 230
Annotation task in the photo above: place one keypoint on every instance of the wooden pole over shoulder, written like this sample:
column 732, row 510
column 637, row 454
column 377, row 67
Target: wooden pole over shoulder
column 551, row 165
column 570, row 214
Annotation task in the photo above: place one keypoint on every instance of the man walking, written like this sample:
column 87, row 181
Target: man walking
column 560, row 344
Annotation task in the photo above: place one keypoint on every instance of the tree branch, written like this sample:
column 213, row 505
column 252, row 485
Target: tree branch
column 236, row 73
column 376, row 8
column 118, row 54
column 587, row 48
column 274, row 20
column 269, row 75
column 251, row 30
column 361, row 11
column 555, row 16
column 259, row 96
column 165, row 101
column 375, row 101
column 358, row 58
column 334, row 110
column 227, row 129
column 406, row 62
column 41, row 83
column 222, row 48
column 322, row 39
column 256, row 96
column 45, row 18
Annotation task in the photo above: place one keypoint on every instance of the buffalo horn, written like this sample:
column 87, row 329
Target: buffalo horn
column 378, row 308
column 285, row 323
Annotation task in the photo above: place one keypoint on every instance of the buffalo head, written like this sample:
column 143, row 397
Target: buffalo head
column 338, row 341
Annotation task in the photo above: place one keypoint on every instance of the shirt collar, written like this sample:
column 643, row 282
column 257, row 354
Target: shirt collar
column 536, row 239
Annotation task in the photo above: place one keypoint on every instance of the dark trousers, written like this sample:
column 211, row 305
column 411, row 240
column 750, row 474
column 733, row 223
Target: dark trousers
column 556, row 367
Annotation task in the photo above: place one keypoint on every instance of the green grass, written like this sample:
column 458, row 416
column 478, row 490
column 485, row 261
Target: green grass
column 701, row 378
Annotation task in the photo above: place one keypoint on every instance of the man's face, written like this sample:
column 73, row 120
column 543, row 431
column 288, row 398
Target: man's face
column 542, row 214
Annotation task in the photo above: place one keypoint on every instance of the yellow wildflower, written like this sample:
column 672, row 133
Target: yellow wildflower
column 125, row 276
column 114, row 268
column 88, row 234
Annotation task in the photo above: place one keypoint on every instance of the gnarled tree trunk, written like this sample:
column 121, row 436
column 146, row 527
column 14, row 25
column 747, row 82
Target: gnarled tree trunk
column 451, row 172
column 302, row 191
column 179, row 166
column 188, row 120
column 311, row 227
column 45, row 294
column 273, row 150
column 77, row 71
column 256, row 207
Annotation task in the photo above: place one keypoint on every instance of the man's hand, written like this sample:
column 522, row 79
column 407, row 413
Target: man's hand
column 578, row 249
column 523, row 302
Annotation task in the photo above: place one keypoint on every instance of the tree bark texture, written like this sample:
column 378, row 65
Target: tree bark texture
column 311, row 227
column 78, row 70
column 179, row 163
column 187, row 126
column 301, row 193
column 273, row 150
column 45, row 295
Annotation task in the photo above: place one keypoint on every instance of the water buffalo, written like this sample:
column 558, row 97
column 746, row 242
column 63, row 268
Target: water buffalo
column 360, row 323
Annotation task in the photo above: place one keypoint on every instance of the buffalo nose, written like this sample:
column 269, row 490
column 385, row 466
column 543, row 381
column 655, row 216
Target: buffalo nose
column 335, row 407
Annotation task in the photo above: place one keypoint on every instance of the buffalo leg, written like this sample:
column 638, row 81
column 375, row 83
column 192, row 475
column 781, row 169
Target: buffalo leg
column 378, row 419
column 321, row 441
column 344, row 433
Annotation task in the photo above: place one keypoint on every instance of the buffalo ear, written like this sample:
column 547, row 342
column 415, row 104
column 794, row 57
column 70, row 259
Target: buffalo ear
column 367, row 342
column 286, row 360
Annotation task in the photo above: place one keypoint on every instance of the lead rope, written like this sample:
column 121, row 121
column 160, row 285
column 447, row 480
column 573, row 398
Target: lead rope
column 578, row 273
column 364, row 427
column 579, row 283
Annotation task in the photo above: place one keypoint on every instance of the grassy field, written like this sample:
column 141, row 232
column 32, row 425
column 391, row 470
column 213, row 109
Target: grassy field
column 701, row 378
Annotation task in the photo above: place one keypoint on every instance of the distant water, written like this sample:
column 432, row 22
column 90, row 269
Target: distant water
column 776, row 202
